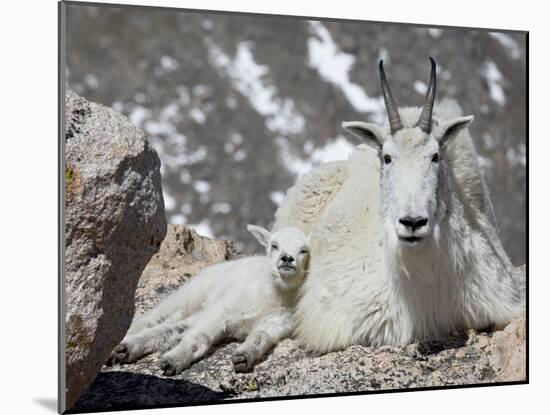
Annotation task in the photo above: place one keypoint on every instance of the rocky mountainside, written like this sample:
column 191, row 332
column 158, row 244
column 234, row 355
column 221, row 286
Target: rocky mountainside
column 466, row 359
column 238, row 107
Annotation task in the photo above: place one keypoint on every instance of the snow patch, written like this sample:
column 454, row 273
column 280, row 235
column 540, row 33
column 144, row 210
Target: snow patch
column 183, row 95
column 138, row 115
column 334, row 65
column 207, row 24
column 485, row 162
column 177, row 141
column 494, row 81
column 91, row 81
column 198, row 115
column 231, row 103
column 488, row 141
column 185, row 176
column 240, row 154
column 164, row 123
column 237, row 138
column 517, row 156
column 201, row 90
column 201, row 186
column 420, row 87
column 139, row 97
column 118, row 106
column 203, row 228
column 221, row 207
column 229, row 147
column 293, row 163
column 168, row 63
column 173, row 148
column 185, row 158
column 186, row 209
column 277, row 197
column 508, row 43
column 383, row 54
column 248, row 77
column 169, row 201
column 338, row 149
column 177, row 219
column 435, row 32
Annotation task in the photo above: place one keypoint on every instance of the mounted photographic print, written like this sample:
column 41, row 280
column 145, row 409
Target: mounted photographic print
column 260, row 207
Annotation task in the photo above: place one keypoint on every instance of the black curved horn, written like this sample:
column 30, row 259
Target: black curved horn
column 391, row 108
column 425, row 120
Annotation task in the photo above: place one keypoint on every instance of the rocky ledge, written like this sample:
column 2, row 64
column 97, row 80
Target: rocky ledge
column 468, row 359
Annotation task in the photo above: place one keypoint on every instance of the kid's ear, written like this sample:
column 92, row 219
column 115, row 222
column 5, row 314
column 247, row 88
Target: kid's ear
column 370, row 134
column 261, row 234
column 449, row 130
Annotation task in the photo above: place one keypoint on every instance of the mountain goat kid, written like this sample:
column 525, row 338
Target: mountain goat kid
column 249, row 298
column 404, row 241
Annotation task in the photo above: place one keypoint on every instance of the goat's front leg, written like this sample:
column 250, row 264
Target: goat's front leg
column 194, row 344
column 267, row 333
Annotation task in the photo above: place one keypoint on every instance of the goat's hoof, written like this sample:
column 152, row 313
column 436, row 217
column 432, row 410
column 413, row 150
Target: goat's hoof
column 120, row 354
column 241, row 361
column 169, row 368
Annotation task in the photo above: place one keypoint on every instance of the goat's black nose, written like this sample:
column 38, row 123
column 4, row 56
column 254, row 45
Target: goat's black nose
column 287, row 258
column 413, row 223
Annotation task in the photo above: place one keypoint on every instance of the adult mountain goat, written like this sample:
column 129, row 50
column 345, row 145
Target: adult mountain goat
column 404, row 242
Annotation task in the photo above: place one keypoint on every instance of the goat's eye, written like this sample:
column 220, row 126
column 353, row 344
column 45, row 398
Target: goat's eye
column 387, row 159
column 274, row 247
column 304, row 252
column 435, row 157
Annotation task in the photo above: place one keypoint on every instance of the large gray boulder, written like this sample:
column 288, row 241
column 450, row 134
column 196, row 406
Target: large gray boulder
column 474, row 357
column 114, row 223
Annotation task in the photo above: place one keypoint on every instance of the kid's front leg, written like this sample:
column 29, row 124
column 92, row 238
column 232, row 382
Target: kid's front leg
column 265, row 335
column 135, row 346
column 194, row 344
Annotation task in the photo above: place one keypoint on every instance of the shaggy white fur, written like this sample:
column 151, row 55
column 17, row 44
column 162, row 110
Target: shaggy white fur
column 248, row 298
column 367, row 285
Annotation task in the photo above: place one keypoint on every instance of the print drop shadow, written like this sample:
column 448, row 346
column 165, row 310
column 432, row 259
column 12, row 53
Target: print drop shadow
column 47, row 403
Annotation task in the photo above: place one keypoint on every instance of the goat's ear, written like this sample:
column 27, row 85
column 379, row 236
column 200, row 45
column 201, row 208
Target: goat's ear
column 450, row 129
column 370, row 134
column 261, row 234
